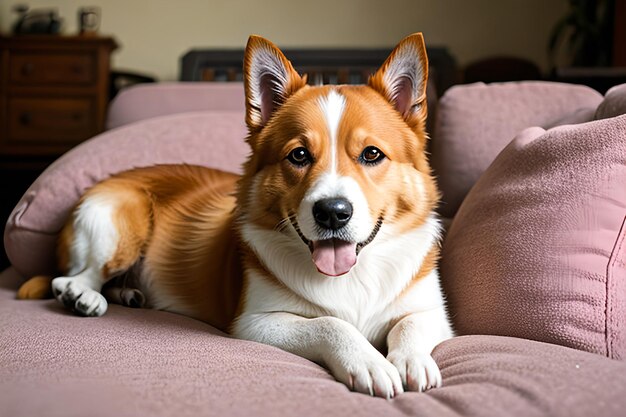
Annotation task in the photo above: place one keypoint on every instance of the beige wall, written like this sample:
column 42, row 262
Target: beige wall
column 154, row 34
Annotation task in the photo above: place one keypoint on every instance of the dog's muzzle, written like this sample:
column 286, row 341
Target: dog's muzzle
column 334, row 257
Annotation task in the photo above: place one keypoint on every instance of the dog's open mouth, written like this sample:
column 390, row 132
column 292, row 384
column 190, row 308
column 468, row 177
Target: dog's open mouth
column 335, row 257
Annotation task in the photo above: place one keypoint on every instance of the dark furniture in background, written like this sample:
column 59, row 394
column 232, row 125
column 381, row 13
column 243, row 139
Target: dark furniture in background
column 619, row 34
column 598, row 78
column 327, row 66
column 501, row 69
column 122, row 79
column 602, row 78
column 331, row 66
column 54, row 93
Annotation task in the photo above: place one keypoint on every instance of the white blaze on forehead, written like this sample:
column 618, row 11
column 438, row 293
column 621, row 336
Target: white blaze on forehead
column 332, row 107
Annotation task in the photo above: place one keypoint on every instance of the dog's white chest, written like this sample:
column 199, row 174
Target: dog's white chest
column 368, row 297
column 372, row 324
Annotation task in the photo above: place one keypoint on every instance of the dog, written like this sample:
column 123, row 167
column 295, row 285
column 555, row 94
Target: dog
column 326, row 247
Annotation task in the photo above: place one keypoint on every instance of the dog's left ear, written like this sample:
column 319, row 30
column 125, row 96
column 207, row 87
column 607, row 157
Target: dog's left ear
column 269, row 79
column 402, row 78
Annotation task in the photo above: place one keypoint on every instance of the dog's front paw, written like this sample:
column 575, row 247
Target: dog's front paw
column 418, row 371
column 368, row 373
column 78, row 297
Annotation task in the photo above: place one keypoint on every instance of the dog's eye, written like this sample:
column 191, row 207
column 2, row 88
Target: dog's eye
column 299, row 157
column 371, row 156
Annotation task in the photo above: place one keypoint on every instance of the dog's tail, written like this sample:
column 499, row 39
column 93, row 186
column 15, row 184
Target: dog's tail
column 36, row 288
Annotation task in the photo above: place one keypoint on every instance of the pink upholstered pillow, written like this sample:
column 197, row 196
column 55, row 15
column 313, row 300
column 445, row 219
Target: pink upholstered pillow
column 476, row 121
column 211, row 138
column 538, row 247
column 144, row 101
column 614, row 103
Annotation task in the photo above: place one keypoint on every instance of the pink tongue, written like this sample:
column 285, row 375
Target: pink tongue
column 334, row 257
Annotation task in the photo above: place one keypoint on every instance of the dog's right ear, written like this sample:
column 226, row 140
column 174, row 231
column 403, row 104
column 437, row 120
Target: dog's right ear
column 269, row 79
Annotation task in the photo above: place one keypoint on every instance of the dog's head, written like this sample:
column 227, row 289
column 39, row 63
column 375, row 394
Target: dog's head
column 332, row 165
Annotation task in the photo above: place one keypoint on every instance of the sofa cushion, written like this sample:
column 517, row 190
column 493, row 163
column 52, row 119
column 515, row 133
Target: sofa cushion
column 475, row 122
column 145, row 101
column 134, row 362
column 213, row 139
column 614, row 103
column 537, row 249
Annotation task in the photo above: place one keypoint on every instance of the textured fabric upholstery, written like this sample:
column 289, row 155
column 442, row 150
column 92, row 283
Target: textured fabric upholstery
column 145, row 101
column 144, row 362
column 506, row 270
column 537, row 249
column 475, row 122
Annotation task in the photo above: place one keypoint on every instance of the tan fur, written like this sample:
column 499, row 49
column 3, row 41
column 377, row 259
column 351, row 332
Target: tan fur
column 134, row 217
column 295, row 81
column 63, row 247
column 37, row 287
column 234, row 251
column 182, row 220
column 192, row 206
column 369, row 119
column 417, row 118
column 428, row 265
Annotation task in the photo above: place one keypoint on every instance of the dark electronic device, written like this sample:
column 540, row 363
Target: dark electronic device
column 37, row 21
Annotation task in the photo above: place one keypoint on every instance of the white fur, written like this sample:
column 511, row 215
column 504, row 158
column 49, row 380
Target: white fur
column 95, row 236
column 366, row 296
column 410, row 342
column 332, row 107
column 363, row 302
column 328, row 340
column 337, row 321
column 265, row 61
column 330, row 185
column 405, row 65
column 94, row 244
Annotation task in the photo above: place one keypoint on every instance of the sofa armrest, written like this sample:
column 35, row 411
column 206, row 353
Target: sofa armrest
column 476, row 121
column 145, row 101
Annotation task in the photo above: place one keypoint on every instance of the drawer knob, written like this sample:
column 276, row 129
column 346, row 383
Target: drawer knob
column 28, row 68
column 77, row 69
column 77, row 117
column 25, row 119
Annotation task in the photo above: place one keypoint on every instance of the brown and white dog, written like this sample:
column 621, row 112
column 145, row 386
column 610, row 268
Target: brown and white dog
column 326, row 247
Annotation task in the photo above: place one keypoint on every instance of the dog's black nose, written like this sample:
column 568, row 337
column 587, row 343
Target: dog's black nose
column 332, row 213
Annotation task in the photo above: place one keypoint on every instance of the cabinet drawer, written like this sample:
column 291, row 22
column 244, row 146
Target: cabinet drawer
column 50, row 69
column 50, row 121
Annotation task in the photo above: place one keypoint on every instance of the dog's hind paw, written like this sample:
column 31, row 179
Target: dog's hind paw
column 128, row 297
column 78, row 297
column 132, row 298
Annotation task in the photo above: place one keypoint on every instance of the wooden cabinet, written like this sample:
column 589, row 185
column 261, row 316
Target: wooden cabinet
column 53, row 92
column 53, row 95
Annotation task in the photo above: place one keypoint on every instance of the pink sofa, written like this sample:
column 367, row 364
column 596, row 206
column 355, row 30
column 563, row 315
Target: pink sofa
column 541, row 333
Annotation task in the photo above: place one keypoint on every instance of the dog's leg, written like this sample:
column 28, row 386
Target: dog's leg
column 105, row 238
column 329, row 341
column 128, row 297
column 410, row 344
